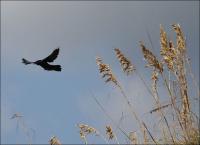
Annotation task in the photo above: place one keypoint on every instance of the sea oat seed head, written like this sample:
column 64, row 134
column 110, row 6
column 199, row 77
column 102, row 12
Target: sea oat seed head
column 180, row 40
column 125, row 62
column 54, row 141
column 151, row 58
column 106, row 72
column 109, row 132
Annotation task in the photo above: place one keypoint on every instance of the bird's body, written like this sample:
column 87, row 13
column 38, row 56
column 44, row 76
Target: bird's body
column 47, row 66
column 44, row 63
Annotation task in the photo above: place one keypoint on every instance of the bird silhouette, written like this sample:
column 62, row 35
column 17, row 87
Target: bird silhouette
column 44, row 63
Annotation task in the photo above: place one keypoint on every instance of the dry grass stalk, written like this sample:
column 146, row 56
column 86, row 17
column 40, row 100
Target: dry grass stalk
column 181, row 74
column 149, row 133
column 154, row 78
column 153, row 61
column 192, row 76
column 54, row 141
column 176, row 59
column 109, row 132
column 159, row 108
column 146, row 140
column 157, row 66
column 151, row 58
column 103, row 109
column 125, row 62
column 86, row 130
column 185, row 100
column 106, row 72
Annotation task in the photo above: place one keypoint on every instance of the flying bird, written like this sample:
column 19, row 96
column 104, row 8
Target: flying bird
column 44, row 63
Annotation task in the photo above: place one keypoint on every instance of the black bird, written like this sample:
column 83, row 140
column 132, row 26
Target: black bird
column 44, row 62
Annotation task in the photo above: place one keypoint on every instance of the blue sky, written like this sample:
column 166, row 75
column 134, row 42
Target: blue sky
column 52, row 103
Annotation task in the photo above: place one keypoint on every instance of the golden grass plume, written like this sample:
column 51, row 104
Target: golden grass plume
column 151, row 58
column 106, row 72
column 109, row 132
column 180, row 39
column 126, row 64
column 167, row 49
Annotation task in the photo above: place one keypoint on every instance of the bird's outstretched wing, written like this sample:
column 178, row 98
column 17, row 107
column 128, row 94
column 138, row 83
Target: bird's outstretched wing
column 52, row 56
column 50, row 67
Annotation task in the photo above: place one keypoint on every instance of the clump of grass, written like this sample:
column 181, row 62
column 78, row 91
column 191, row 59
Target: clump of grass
column 175, row 59
column 181, row 73
column 86, row 130
column 183, row 129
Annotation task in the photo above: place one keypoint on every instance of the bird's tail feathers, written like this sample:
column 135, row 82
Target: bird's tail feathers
column 26, row 61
